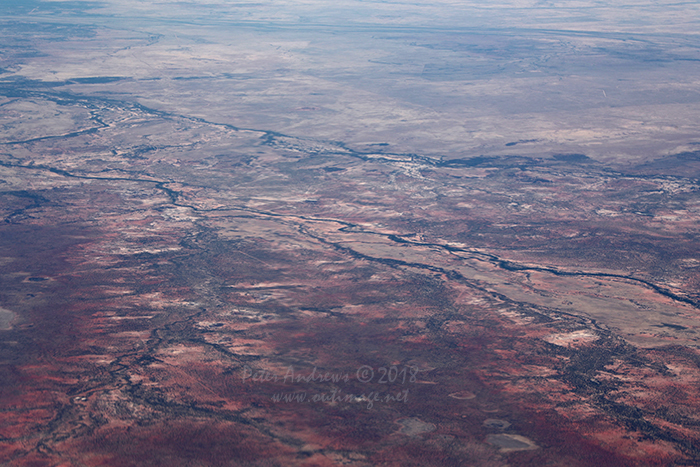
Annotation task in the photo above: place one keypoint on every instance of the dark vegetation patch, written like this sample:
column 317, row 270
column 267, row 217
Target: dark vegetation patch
column 685, row 164
column 96, row 80
column 572, row 158
column 471, row 162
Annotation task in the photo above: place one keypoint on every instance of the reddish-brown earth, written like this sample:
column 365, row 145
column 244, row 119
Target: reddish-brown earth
column 176, row 290
column 157, row 323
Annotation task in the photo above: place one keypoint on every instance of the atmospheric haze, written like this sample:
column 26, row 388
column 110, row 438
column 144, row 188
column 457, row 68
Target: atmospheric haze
column 314, row 233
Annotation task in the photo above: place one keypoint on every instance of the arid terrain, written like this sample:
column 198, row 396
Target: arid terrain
column 356, row 233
